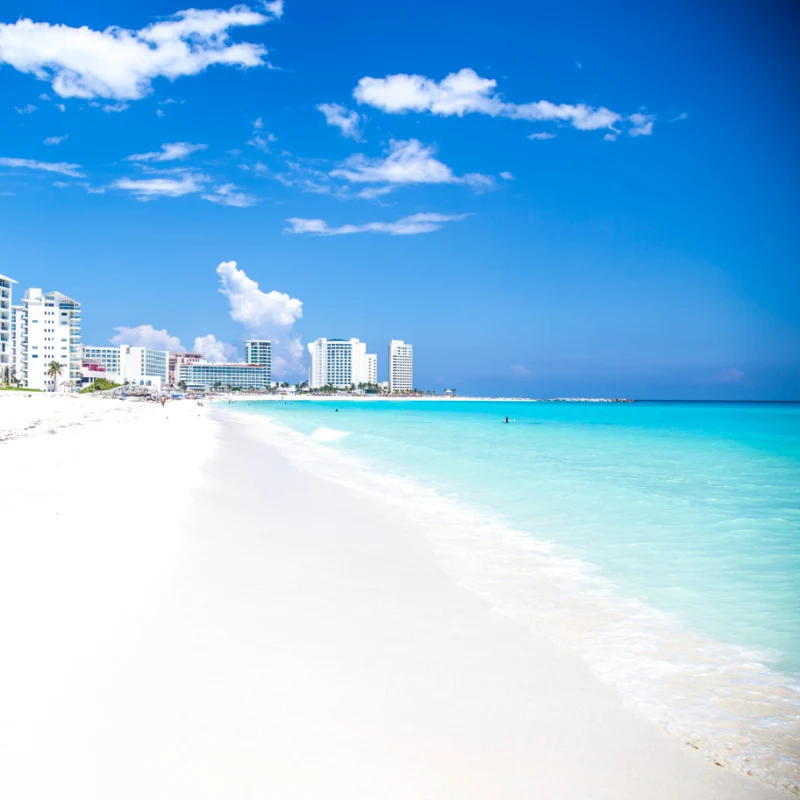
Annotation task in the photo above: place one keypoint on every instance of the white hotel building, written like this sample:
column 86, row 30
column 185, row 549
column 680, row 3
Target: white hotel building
column 6, row 342
column 401, row 363
column 341, row 363
column 46, row 328
column 129, row 364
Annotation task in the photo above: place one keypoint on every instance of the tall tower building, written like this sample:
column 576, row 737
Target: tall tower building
column 337, row 362
column 401, row 363
column 370, row 374
column 47, row 328
column 6, row 343
column 258, row 351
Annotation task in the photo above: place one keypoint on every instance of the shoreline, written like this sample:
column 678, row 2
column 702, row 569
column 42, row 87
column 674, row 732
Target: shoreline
column 251, row 629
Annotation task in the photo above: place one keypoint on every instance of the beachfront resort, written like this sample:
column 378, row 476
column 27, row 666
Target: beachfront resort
column 41, row 349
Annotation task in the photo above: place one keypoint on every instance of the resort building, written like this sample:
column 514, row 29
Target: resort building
column 370, row 369
column 206, row 376
column 341, row 363
column 109, row 357
column 46, row 329
column 178, row 360
column 6, row 343
column 258, row 351
column 401, row 378
column 143, row 365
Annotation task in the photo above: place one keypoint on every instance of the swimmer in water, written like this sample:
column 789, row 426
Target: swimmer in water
column 506, row 420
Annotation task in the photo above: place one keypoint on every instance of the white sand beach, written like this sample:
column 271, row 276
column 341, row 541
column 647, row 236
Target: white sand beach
column 186, row 614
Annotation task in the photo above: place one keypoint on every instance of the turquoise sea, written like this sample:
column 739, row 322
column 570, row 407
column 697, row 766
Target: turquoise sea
column 660, row 540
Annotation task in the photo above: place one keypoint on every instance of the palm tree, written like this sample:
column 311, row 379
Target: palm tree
column 54, row 372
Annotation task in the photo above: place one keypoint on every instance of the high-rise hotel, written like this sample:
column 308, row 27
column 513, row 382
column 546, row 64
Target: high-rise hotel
column 46, row 328
column 401, row 363
column 6, row 340
column 341, row 363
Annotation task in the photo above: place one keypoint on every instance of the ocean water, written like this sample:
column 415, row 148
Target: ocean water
column 660, row 541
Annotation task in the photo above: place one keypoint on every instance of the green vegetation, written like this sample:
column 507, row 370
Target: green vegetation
column 17, row 389
column 100, row 385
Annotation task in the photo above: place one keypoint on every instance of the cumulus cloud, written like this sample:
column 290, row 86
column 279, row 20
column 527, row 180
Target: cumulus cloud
column 121, row 64
column 169, row 152
column 466, row 92
column 347, row 121
column 214, row 350
column 406, row 162
column 271, row 314
column 146, row 336
column 61, row 167
column 150, row 188
column 52, row 140
column 229, row 195
column 642, row 124
column 416, row 223
column 257, row 310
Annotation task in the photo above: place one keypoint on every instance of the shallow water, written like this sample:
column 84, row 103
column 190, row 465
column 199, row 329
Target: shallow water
column 659, row 540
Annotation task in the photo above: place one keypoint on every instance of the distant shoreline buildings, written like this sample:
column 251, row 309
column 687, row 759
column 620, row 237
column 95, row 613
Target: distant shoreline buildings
column 45, row 329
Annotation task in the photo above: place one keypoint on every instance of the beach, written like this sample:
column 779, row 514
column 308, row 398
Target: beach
column 186, row 612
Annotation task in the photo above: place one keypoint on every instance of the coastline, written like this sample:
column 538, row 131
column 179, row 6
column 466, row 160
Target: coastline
column 277, row 633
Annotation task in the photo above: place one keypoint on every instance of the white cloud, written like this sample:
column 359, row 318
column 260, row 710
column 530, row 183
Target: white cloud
column 51, row 140
column 257, row 310
column 229, row 195
column 28, row 109
column 61, row 107
column 146, row 336
column 642, row 124
column 149, row 188
column 63, row 168
column 416, row 223
column 273, row 7
column 348, row 122
column 291, row 362
column 730, row 376
column 465, row 92
column 610, row 137
column 169, row 152
column 121, row 64
column 115, row 108
column 682, row 116
column 406, row 162
column 520, row 371
column 44, row 96
column 506, row 176
column 542, row 137
column 214, row 350
column 160, row 112
column 262, row 141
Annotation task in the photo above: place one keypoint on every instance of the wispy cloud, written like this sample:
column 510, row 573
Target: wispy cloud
column 347, row 121
column 61, row 167
column 542, row 136
column 27, row 109
column 169, row 152
column 52, row 140
column 466, row 92
column 406, row 162
column 261, row 141
column 642, row 124
column 416, row 223
column 229, row 195
column 151, row 188
column 121, row 64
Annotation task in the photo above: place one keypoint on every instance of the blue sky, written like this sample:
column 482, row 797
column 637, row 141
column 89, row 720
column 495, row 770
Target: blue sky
column 545, row 199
